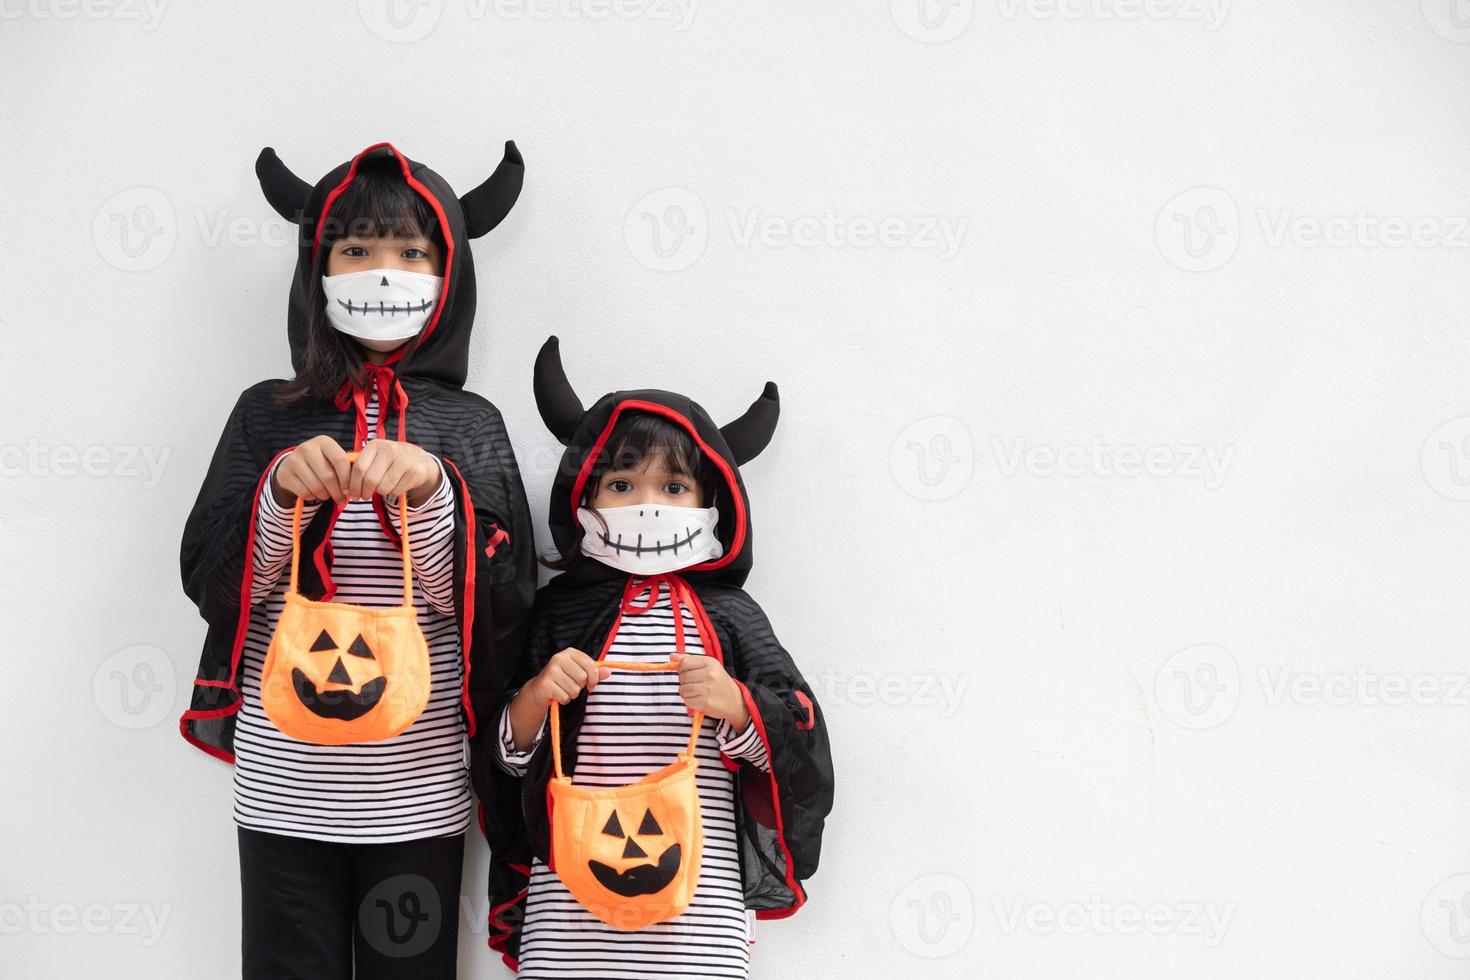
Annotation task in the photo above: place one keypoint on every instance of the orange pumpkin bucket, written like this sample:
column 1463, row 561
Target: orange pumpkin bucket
column 337, row 673
column 629, row 854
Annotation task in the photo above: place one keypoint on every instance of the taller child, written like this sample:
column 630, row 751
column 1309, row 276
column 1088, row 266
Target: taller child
column 353, row 852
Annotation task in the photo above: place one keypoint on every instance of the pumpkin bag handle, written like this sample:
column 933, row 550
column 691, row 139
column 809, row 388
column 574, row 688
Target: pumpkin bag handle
column 697, row 721
column 402, row 540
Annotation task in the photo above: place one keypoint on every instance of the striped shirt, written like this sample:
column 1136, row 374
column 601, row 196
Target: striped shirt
column 636, row 723
column 411, row 786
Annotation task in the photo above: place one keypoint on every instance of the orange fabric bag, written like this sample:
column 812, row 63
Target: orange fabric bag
column 337, row 673
column 630, row 854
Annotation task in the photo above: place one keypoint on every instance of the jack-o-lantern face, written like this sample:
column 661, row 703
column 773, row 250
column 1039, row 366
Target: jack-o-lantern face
column 337, row 674
column 638, row 879
column 343, row 695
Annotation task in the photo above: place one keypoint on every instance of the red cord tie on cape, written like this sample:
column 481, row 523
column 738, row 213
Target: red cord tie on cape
column 390, row 394
column 354, row 392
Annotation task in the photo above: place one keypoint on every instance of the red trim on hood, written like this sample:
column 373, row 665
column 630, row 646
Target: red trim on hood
column 467, row 606
column 719, row 461
column 424, row 192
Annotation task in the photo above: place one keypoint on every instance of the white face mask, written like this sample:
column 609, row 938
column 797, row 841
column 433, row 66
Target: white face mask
column 381, row 307
column 650, row 539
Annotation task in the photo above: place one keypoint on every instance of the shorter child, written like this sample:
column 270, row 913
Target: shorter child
column 652, row 521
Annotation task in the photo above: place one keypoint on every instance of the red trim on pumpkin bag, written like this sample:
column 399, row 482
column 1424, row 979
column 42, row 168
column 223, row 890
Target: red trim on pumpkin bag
column 425, row 193
column 719, row 461
column 467, row 604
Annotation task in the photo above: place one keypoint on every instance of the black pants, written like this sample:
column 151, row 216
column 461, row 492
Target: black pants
column 310, row 909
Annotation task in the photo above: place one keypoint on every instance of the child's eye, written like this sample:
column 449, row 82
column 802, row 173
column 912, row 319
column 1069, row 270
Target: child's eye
column 619, row 486
column 673, row 488
column 415, row 253
column 356, row 251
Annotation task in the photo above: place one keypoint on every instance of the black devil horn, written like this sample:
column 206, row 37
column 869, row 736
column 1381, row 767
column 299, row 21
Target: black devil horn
column 751, row 432
column 487, row 205
column 285, row 191
column 561, row 410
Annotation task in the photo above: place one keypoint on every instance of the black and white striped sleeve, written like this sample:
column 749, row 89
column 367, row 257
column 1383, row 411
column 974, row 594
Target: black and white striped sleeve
column 506, row 755
column 744, row 745
column 273, row 537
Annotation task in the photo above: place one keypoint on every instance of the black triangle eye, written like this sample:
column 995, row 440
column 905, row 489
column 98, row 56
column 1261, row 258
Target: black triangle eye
column 324, row 642
column 632, row 850
column 359, row 648
column 649, row 825
column 613, row 828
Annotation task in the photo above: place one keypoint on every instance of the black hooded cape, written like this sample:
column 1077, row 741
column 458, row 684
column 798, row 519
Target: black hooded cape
column 423, row 401
column 782, row 812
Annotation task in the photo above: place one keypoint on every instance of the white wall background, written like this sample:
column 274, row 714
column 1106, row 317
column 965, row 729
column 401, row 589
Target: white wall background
column 1207, row 720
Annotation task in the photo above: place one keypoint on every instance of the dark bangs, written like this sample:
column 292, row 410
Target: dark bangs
column 380, row 204
column 377, row 204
